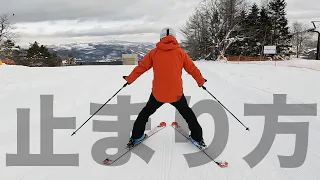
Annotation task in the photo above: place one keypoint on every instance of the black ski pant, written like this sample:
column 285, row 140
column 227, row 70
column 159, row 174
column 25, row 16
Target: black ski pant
column 182, row 107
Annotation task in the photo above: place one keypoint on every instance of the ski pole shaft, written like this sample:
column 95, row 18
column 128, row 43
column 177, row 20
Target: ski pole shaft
column 99, row 109
column 247, row 128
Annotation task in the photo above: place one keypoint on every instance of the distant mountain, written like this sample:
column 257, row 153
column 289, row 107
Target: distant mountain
column 102, row 51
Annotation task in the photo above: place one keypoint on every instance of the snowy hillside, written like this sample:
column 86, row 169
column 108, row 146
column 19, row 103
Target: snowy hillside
column 79, row 91
column 108, row 50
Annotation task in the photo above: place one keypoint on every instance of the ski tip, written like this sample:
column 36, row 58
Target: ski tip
column 223, row 164
column 162, row 124
column 107, row 161
column 174, row 123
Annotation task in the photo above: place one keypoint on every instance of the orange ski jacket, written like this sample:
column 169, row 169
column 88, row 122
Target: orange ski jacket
column 167, row 61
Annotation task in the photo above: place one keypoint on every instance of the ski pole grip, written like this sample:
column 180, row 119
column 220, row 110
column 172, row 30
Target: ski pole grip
column 125, row 84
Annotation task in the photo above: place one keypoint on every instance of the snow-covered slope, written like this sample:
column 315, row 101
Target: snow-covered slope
column 74, row 88
column 295, row 62
column 106, row 51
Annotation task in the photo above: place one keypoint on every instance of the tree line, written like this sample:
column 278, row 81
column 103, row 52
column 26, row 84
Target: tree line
column 35, row 55
column 233, row 27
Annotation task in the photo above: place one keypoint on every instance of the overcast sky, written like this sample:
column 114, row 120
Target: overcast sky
column 67, row 21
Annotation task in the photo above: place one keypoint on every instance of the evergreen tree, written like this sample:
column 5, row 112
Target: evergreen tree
column 40, row 55
column 279, row 25
column 6, row 49
column 253, row 26
column 264, row 33
column 33, row 50
column 265, row 26
column 9, row 44
column 238, row 47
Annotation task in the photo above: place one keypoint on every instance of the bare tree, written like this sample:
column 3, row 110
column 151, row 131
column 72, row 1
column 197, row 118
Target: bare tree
column 6, row 28
column 7, row 36
column 230, row 13
column 230, row 10
column 300, row 36
column 211, row 29
column 195, row 31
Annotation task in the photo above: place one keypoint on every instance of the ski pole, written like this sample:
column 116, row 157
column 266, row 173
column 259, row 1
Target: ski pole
column 99, row 109
column 247, row 128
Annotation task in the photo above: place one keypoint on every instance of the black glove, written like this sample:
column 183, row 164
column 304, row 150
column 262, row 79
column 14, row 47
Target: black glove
column 203, row 86
column 124, row 77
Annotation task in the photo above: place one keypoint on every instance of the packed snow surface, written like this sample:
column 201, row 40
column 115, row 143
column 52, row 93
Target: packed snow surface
column 233, row 84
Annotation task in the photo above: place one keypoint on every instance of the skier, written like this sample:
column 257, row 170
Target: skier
column 167, row 61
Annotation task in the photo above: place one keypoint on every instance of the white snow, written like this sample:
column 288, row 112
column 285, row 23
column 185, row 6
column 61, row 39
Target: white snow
column 142, row 54
column 74, row 88
column 297, row 63
column 63, row 47
column 84, row 47
column 79, row 46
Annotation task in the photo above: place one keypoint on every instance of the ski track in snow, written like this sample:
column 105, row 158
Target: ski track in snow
column 74, row 88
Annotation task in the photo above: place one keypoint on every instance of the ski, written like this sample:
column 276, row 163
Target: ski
column 178, row 128
column 150, row 133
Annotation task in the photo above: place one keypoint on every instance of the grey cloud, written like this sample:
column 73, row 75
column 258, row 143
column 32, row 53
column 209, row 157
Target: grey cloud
column 158, row 13
column 303, row 11
column 126, row 10
column 107, row 31
column 41, row 10
column 304, row 14
column 100, row 32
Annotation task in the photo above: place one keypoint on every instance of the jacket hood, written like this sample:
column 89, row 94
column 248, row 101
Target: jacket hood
column 168, row 43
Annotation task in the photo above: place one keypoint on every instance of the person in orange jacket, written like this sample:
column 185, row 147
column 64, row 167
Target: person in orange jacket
column 167, row 60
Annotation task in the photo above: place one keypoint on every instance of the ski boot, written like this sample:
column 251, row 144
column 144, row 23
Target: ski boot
column 200, row 144
column 133, row 142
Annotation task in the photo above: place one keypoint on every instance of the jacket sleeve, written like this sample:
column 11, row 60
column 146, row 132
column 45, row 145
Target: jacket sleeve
column 144, row 65
column 191, row 68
